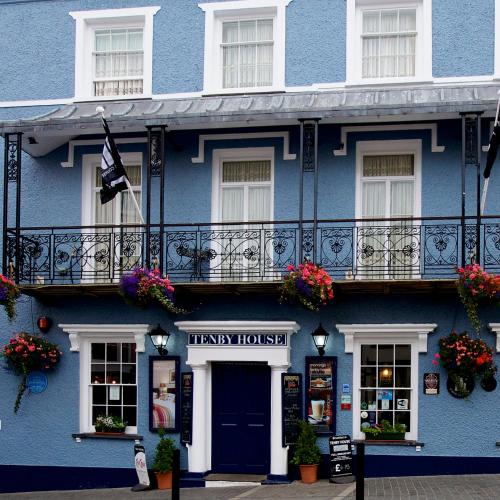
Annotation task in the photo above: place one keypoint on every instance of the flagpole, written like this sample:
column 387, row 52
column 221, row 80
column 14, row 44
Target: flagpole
column 487, row 180
column 100, row 109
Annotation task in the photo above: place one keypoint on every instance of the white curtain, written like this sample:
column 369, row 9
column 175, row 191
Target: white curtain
column 246, row 171
column 388, row 165
column 259, row 203
column 402, row 193
column 373, row 200
column 232, row 204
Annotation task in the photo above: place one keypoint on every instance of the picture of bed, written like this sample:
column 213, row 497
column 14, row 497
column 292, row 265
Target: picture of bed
column 164, row 389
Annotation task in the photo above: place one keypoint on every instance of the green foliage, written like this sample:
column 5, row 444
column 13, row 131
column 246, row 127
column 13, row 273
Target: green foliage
column 306, row 451
column 109, row 423
column 385, row 428
column 164, row 455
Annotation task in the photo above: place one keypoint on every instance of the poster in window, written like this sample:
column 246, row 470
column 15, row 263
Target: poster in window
column 321, row 383
column 164, row 393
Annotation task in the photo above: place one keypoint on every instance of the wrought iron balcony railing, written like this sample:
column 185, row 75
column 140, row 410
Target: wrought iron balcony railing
column 426, row 248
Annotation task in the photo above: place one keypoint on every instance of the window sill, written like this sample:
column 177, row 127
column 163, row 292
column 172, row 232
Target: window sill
column 388, row 443
column 93, row 435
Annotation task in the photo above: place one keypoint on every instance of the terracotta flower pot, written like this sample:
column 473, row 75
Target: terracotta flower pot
column 164, row 480
column 309, row 473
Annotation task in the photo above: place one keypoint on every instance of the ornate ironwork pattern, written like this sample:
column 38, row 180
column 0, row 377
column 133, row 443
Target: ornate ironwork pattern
column 471, row 146
column 470, row 243
column 308, row 158
column 12, row 157
column 242, row 253
column 155, row 154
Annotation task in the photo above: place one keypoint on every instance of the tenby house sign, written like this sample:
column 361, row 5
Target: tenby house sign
column 238, row 339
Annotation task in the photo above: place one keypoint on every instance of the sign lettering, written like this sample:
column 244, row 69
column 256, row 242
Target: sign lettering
column 246, row 339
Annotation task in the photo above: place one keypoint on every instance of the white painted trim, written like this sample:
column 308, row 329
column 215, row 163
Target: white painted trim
column 423, row 62
column 215, row 14
column 86, row 21
column 95, row 142
column 414, row 334
column 388, row 128
column 495, row 328
column 200, row 358
column 81, row 336
column 252, row 135
column 496, row 69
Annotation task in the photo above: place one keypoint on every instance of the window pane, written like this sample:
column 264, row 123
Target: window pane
column 403, row 417
column 119, row 40
column 370, row 57
column 389, row 21
column 99, row 395
column 230, row 67
column 385, row 415
column 402, row 198
column 114, row 395
column 407, row 20
column 368, row 400
column 130, row 415
column 113, row 352
column 97, row 411
column 247, row 65
column 368, row 377
column 388, row 56
column 230, row 32
column 403, row 355
column 112, row 374
column 368, row 354
column 98, row 351
column 128, row 353
column 264, row 65
column 128, row 374
column 384, row 403
column 259, row 203
column 246, row 171
column 232, row 204
column 264, row 29
column 248, row 31
column 115, row 410
column 385, row 377
column 388, row 165
column 97, row 374
column 135, row 39
column 371, row 21
column 386, row 355
column 403, row 377
column 403, row 400
column 373, row 199
column 130, row 395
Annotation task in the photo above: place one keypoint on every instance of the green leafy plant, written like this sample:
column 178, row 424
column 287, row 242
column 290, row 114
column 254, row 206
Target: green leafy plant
column 27, row 353
column 384, row 428
column 109, row 423
column 306, row 451
column 164, row 455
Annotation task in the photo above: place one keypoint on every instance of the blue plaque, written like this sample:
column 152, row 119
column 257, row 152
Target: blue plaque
column 37, row 382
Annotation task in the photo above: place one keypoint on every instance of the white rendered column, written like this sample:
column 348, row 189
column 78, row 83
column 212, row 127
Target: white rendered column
column 197, row 450
column 279, row 466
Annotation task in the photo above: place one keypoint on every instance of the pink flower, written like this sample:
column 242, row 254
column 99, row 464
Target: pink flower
column 434, row 362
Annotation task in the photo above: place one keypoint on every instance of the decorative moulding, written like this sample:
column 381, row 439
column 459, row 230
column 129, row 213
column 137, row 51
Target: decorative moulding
column 238, row 326
column 79, row 332
column 388, row 128
column 253, row 135
column 495, row 328
column 386, row 331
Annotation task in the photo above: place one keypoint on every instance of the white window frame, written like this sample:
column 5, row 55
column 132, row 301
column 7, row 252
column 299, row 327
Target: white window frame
column 86, row 24
column 423, row 45
column 414, row 335
column 496, row 70
column 81, row 337
column 218, row 12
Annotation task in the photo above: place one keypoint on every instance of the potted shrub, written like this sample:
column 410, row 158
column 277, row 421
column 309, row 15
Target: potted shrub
column 385, row 432
column 109, row 424
column 307, row 455
column 163, row 463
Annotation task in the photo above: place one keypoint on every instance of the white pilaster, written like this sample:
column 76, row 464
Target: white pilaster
column 197, row 451
column 279, row 466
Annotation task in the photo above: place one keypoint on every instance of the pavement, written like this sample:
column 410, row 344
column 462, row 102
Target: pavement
column 429, row 487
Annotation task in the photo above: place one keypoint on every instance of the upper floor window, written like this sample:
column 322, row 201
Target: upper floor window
column 244, row 46
column 113, row 56
column 389, row 41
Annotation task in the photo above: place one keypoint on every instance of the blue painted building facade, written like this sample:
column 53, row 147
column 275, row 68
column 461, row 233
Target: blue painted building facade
column 332, row 130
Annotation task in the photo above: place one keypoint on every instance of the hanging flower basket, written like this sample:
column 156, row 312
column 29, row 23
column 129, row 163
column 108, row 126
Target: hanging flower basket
column 144, row 287
column 308, row 285
column 9, row 293
column 464, row 358
column 476, row 286
column 27, row 353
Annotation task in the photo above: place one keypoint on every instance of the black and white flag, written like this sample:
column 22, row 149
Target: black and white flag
column 114, row 177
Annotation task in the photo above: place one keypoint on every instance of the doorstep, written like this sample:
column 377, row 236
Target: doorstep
column 231, row 480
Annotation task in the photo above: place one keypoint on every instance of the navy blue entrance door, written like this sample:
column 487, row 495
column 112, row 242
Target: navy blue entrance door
column 241, row 418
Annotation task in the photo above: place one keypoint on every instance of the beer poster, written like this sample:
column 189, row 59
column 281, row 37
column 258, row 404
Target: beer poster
column 321, row 383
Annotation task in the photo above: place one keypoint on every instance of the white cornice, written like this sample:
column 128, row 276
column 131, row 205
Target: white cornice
column 237, row 326
column 111, row 13
column 387, row 332
column 242, row 4
column 79, row 332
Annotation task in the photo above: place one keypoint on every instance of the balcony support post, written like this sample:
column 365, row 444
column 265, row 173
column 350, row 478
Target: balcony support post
column 12, row 173
column 162, row 198
column 301, row 193
column 316, row 174
column 147, row 256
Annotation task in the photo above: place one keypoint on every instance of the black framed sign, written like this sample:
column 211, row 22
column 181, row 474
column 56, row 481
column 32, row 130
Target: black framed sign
column 187, row 407
column 431, row 383
column 291, row 404
column 321, row 384
column 164, row 393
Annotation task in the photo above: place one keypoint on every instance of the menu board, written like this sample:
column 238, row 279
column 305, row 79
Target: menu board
column 291, row 399
column 187, row 407
column 321, row 383
column 340, row 457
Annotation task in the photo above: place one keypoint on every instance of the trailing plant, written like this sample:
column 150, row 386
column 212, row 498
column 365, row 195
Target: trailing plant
column 308, row 284
column 307, row 451
column 26, row 353
column 9, row 293
column 475, row 286
column 164, row 455
column 109, row 423
column 143, row 287
column 464, row 356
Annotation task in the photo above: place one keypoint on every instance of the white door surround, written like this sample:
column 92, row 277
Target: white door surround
column 200, row 358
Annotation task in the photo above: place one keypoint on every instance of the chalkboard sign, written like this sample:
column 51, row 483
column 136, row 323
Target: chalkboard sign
column 340, row 458
column 291, row 399
column 187, row 407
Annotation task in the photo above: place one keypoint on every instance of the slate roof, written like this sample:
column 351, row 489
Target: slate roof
column 259, row 108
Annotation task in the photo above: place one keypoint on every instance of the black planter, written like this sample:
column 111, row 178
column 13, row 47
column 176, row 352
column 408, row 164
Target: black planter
column 460, row 386
column 489, row 384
